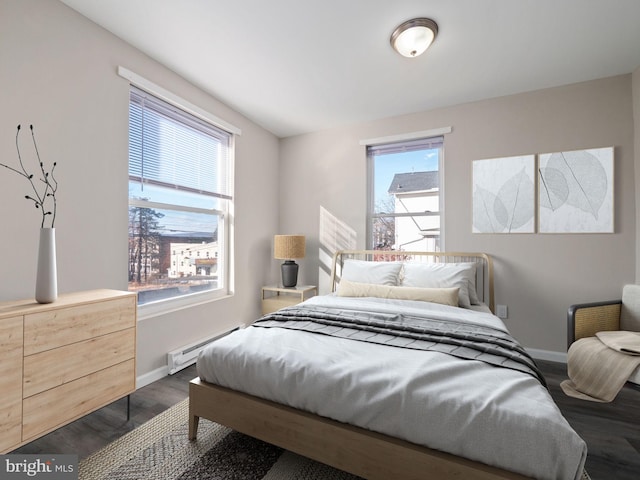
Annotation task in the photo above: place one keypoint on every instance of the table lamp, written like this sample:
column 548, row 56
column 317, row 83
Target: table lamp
column 288, row 247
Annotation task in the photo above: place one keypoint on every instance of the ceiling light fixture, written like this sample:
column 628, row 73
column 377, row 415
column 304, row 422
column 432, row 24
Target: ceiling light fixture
column 414, row 36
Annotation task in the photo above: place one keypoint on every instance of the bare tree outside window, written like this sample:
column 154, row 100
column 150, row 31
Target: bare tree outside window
column 144, row 244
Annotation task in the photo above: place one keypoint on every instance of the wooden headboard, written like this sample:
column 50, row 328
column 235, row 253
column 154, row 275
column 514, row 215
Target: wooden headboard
column 484, row 269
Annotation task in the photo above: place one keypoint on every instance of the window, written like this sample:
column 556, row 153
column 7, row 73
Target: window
column 405, row 207
column 179, row 201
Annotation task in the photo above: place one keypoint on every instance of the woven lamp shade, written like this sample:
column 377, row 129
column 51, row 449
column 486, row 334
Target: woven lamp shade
column 286, row 247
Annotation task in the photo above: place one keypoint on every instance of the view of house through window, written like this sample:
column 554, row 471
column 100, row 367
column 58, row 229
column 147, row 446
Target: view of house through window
column 404, row 195
column 178, row 201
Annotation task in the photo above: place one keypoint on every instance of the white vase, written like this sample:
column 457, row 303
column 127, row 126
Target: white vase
column 47, row 277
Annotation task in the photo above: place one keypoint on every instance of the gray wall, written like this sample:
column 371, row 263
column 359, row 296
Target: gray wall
column 636, row 129
column 58, row 71
column 538, row 276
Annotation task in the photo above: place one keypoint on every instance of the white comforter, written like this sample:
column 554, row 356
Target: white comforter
column 494, row 415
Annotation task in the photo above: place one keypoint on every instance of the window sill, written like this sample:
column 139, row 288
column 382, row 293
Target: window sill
column 164, row 307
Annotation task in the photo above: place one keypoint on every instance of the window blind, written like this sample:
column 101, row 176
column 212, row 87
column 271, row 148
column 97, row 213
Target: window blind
column 173, row 149
column 406, row 146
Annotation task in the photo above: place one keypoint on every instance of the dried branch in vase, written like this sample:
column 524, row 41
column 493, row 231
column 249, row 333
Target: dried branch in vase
column 44, row 198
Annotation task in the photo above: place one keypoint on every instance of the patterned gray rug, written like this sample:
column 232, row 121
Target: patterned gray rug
column 160, row 450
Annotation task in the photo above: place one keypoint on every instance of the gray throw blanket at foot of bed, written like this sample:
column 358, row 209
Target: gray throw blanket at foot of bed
column 599, row 366
column 461, row 339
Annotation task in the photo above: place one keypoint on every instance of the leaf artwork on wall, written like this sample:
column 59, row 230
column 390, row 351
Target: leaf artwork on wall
column 576, row 191
column 503, row 195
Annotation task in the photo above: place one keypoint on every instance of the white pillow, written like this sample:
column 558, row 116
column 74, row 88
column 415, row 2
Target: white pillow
column 441, row 275
column 473, row 293
column 380, row 273
column 445, row 296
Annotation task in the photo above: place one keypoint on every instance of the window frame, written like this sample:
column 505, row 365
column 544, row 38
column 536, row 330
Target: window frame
column 397, row 140
column 225, row 225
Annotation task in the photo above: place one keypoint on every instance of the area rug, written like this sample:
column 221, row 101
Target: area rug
column 160, row 450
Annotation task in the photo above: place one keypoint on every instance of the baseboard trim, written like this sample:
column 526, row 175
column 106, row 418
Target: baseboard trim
column 548, row 355
column 161, row 372
column 152, row 376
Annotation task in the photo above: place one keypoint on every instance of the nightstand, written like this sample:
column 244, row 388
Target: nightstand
column 274, row 297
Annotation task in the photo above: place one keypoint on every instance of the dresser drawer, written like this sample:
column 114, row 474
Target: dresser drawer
column 58, row 406
column 56, row 367
column 10, row 381
column 55, row 328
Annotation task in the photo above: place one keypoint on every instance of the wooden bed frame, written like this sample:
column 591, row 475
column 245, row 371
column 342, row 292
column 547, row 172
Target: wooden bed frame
column 355, row 450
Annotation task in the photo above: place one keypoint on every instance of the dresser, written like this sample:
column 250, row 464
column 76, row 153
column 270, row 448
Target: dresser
column 63, row 360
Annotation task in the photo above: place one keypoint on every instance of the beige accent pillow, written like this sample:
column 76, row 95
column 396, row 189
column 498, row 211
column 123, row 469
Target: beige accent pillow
column 445, row 296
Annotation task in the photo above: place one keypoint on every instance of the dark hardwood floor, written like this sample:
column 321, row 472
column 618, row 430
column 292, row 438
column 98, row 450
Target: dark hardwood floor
column 612, row 431
column 96, row 430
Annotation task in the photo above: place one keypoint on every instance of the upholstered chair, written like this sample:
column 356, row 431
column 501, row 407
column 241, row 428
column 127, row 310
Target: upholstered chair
column 585, row 319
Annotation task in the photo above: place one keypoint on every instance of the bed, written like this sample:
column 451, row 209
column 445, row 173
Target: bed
column 401, row 372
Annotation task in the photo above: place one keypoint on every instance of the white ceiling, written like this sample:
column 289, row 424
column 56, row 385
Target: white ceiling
column 296, row 66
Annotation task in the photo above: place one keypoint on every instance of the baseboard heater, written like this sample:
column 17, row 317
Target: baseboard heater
column 187, row 355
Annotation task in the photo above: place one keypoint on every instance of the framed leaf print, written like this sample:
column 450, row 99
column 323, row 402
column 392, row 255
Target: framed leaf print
column 504, row 195
column 575, row 191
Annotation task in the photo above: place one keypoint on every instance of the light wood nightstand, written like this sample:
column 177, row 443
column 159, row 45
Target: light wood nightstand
column 274, row 297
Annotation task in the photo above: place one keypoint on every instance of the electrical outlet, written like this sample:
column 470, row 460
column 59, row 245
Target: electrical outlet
column 501, row 311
